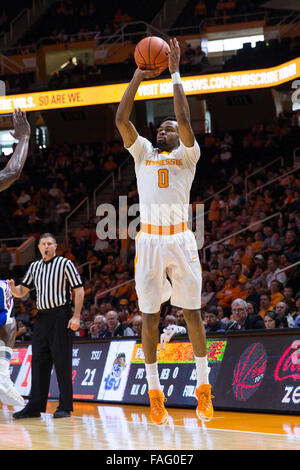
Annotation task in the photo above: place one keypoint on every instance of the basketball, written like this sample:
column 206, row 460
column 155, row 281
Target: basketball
column 151, row 53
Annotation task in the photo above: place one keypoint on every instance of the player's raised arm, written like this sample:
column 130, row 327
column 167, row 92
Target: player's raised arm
column 181, row 106
column 126, row 128
column 13, row 169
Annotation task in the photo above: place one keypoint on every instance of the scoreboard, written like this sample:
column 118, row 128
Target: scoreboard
column 253, row 371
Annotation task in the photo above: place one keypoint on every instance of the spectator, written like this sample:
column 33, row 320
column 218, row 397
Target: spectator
column 212, row 322
column 257, row 244
column 85, row 323
column 291, row 245
column 297, row 312
column 98, row 329
column 272, row 320
column 237, row 268
column 224, row 313
column 209, row 294
column 230, row 292
column 62, row 209
column 169, row 320
column 244, row 320
column 269, row 240
column 115, row 328
column 252, row 307
column 123, row 310
column 137, row 325
column 276, row 295
column 24, row 198
column 180, row 321
column 282, row 311
column 288, row 293
column 101, row 245
column 23, row 332
column 251, row 293
column 272, row 272
column 265, row 304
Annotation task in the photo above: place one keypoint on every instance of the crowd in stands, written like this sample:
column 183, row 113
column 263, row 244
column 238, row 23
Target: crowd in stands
column 219, row 12
column 76, row 20
column 65, row 22
column 246, row 266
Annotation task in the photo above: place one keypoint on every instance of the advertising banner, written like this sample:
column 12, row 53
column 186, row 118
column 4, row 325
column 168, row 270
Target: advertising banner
column 88, row 361
column 152, row 89
column 260, row 373
column 253, row 372
column 116, row 371
column 177, row 372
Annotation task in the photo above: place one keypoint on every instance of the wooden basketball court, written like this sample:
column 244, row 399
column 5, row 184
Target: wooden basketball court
column 96, row 426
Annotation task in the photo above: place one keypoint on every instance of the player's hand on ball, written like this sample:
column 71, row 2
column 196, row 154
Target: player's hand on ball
column 144, row 74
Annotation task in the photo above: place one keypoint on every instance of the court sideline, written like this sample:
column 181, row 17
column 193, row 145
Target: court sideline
column 114, row 427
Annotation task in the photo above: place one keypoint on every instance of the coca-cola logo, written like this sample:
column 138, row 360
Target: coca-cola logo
column 288, row 366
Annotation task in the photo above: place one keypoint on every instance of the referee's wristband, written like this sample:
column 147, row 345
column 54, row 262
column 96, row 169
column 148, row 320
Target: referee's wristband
column 176, row 78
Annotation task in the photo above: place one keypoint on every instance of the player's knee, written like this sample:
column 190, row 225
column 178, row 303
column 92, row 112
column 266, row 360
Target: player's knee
column 150, row 321
column 192, row 316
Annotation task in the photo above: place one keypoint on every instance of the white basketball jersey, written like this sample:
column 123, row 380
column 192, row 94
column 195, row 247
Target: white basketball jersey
column 164, row 181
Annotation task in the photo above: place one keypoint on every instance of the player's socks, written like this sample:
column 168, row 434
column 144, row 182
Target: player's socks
column 158, row 412
column 8, row 392
column 201, row 370
column 152, row 376
column 203, row 390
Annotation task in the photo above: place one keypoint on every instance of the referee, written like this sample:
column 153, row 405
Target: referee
column 53, row 278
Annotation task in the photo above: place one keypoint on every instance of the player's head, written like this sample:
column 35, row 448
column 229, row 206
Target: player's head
column 47, row 246
column 167, row 137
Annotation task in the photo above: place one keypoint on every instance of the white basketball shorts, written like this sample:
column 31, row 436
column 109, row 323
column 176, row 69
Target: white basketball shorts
column 175, row 256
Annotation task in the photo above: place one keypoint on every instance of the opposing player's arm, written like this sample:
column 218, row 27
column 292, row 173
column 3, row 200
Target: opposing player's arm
column 14, row 167
column 181, row 106
column 125, row 126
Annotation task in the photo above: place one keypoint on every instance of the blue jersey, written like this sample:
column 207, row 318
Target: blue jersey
column 6, row 303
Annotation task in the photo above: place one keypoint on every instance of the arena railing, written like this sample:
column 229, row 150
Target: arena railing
column 260, row 170
column 84, row 201
column 288, row 267
column 273, row 180
column 110, row 289
column 13, row 66
column 89, row 264
column 278, row 214
column 296, row 157
column 111, row 176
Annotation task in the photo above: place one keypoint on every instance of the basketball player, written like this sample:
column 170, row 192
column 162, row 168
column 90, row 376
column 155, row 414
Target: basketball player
column 165, row 246
column 9, row 174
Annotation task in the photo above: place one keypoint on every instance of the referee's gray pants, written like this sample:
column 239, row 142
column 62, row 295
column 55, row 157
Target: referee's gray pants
column 51, row 344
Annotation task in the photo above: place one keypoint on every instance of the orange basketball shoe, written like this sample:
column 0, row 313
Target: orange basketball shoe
column 158, row 413
column 204, row 409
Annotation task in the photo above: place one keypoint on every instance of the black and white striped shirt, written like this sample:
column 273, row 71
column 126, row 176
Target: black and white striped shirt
column 53, row 281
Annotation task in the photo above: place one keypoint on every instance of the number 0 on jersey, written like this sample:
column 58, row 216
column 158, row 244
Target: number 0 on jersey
column 163, row 178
